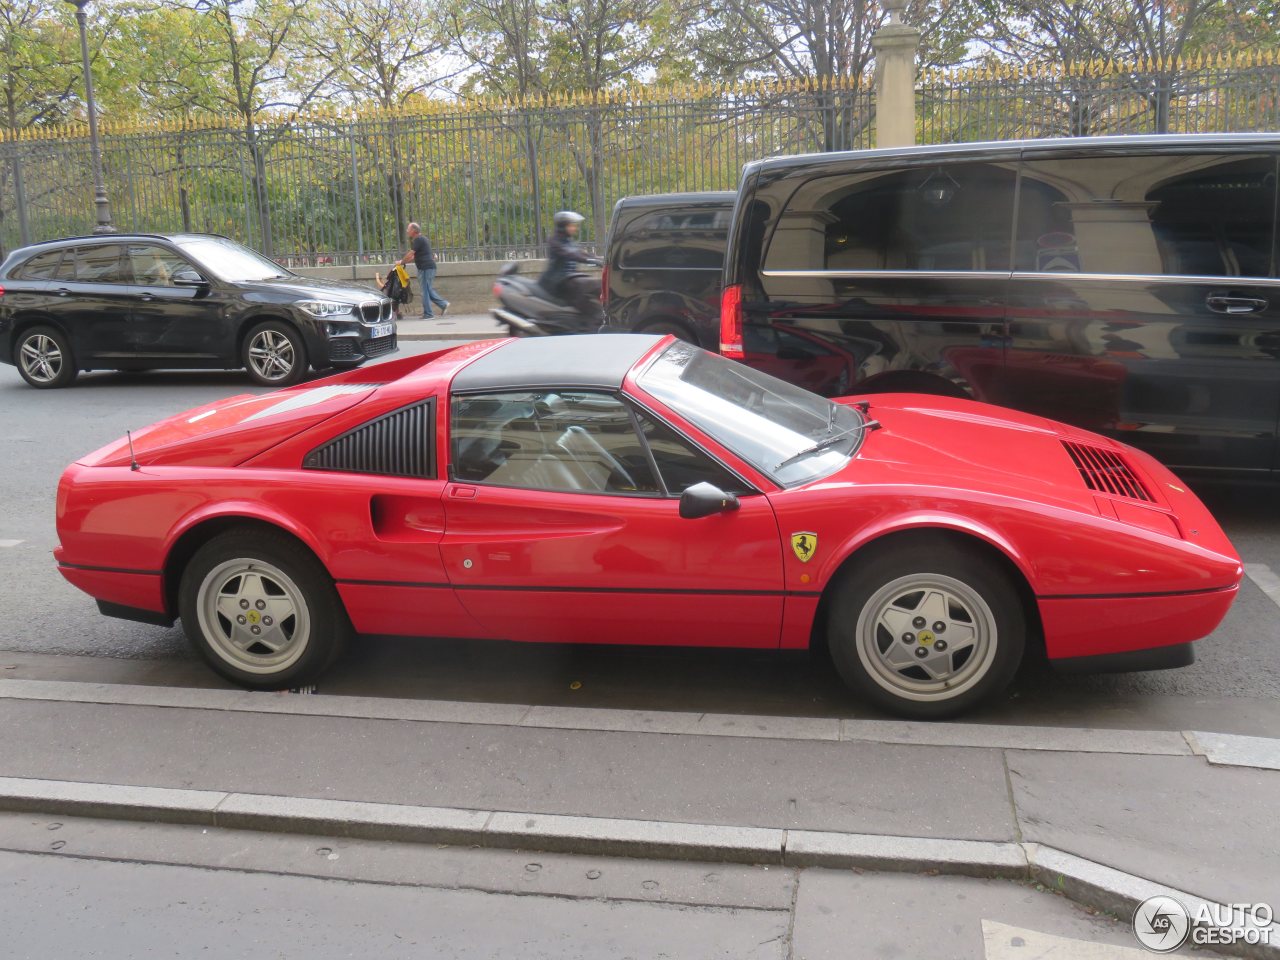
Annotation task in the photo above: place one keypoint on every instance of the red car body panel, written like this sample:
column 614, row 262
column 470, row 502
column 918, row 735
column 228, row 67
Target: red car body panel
column 1109, row 573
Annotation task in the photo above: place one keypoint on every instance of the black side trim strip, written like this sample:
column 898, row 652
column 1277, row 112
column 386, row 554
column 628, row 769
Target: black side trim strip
column 1156, row 658
column 1134, row 596
column 615, row 590
column 86, row 566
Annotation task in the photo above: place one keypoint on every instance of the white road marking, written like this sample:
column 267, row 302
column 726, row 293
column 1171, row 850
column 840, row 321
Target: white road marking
column 1003, row 942
column 1266, row 580
column 11, row 543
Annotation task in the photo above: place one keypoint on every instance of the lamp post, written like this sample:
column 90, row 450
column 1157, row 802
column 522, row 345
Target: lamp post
column 100, row 202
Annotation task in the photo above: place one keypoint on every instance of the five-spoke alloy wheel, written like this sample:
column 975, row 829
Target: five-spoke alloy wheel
column 261, row 609
column 44, row 358
column 927, row 629
column 274, row 354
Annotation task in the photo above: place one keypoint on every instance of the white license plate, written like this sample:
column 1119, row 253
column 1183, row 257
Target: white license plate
column 382, row 330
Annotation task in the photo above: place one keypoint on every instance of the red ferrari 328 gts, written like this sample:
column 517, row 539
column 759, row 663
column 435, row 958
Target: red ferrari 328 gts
column 635, row 489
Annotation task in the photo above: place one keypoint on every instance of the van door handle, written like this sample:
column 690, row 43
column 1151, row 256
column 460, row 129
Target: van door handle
column 1223, row 304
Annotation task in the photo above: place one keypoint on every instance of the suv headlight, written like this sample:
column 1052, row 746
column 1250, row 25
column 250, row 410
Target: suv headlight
column 325, row 308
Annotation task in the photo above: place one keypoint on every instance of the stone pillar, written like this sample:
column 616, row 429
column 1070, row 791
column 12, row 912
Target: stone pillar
column 895, row 45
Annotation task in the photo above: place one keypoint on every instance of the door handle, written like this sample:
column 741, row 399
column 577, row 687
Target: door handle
column 1219, row 303
column 146, row 297
column 63, row 292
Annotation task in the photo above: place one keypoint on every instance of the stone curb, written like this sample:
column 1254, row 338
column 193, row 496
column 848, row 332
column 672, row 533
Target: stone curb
column 1080, row 880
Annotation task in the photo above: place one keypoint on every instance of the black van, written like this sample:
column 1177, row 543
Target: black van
column 1124, row 284
column 664, row 262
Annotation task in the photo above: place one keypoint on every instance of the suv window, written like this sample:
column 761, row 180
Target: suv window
column 154, row 266
column 574, row 441
column 951, row 216
column 1178, row 215
column 97, row 264
column 40, row 267
column 675, row 240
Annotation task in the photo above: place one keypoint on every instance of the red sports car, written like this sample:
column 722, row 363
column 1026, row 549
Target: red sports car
column 635, row 489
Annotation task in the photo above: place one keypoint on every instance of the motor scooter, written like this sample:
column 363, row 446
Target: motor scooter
column 527, row 310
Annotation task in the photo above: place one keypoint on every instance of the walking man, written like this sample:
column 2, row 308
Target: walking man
column 420, row 253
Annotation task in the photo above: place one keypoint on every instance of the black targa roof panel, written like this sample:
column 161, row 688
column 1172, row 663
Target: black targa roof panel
column 598, row 361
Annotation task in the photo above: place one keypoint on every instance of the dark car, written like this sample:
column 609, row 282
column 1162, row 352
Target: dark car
column 138, row 301
column 664, row 262
column 1127, row 285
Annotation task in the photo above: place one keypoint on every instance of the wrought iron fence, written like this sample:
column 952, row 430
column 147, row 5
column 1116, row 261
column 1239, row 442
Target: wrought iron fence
column 484, row 177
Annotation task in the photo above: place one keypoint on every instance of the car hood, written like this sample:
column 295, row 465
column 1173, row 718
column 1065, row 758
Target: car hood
column 315, row 288
column 229, row 432
column 946, row 442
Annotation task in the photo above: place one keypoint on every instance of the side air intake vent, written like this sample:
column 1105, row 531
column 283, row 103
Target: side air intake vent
column 1106, row 472
column 398, row 444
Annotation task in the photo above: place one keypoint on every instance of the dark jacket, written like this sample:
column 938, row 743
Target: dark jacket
column 423, row 258
column 563, row 257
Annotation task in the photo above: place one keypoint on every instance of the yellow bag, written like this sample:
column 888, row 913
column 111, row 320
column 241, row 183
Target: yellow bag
column 403, row 275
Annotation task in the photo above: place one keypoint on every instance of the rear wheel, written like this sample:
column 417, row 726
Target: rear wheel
column 274, row 354
column 44, row 359
column 262, row 610
column 926, row 630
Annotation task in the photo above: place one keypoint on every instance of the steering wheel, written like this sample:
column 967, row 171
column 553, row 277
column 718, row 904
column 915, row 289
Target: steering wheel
column 578, row 436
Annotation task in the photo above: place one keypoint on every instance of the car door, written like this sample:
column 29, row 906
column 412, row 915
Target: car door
column 563, row 524
column 91, row 298
column 1143, row 303
column 888, row 278
column 176, row 312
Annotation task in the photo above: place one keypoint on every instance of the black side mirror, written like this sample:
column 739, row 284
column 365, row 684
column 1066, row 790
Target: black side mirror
column 705, row 500
column 188, row 278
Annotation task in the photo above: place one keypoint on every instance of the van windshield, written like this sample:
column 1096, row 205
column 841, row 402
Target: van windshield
column 789, row 434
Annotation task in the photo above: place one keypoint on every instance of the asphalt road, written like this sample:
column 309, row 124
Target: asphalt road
column 1235, row 686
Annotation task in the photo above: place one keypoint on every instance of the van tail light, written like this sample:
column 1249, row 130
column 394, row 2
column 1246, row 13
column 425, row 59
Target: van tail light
column 731, row 323
column 604, row 285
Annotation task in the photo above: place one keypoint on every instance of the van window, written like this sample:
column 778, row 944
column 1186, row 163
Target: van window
column 1179, row 215
column 949, row 216
column 678, row 239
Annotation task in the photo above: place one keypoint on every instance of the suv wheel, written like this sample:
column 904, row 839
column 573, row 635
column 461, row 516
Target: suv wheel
column 44, row 358
column 274, row 354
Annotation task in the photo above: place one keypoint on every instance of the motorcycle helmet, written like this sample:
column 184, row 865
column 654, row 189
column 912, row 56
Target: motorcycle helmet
column 566, row 217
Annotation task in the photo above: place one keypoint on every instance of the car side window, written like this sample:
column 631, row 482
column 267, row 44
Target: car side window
column 40, row 267
column 1175, row 215
column 571, row 440
column 948, row 216
column 675, row 240
column 99, row 264
column 681, row 464
column 154, row 266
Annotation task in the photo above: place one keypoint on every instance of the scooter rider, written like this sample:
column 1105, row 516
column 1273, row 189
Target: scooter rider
column 561, row 278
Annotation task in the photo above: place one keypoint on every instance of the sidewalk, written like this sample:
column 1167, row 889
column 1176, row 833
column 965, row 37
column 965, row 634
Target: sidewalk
column 463, row 326
column 1106, row 817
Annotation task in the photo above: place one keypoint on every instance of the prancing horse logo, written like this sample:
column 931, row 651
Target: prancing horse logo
column 804, row 545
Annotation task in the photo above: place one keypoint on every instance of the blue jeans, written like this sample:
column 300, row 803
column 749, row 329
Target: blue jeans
column 429, row 296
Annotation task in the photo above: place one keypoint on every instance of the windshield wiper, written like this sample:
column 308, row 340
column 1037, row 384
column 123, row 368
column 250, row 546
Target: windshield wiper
column 830, row 441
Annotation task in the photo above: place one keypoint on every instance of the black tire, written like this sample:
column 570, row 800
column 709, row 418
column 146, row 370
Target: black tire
column 938, row 575
column 274, row 354
column 301, row 584
column 663, row 327
column 43, row 357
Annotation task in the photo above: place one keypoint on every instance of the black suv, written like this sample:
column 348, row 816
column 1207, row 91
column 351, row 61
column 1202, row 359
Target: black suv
column 1128, row 285
column 663, row 265
column 138, row 301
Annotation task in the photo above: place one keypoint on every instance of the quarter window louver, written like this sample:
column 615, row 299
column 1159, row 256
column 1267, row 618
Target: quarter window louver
column 1106, row 472
column 398, row 444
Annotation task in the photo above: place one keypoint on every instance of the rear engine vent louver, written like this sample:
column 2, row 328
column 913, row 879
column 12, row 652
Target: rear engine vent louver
column 1106, row 472
column 395, row 445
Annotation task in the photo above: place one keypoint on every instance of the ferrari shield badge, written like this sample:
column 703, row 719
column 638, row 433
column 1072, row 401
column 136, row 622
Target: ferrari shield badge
column 805, row 545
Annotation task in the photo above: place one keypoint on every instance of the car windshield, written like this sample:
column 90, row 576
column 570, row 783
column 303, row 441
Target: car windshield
column 230, row 261
column 786, row 432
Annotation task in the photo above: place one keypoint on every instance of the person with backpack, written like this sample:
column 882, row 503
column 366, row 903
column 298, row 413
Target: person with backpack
column 420, row 254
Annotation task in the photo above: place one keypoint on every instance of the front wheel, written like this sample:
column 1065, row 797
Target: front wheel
column 274, row 354
column 926, row 630
column 262, row 610
column 44, row 358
